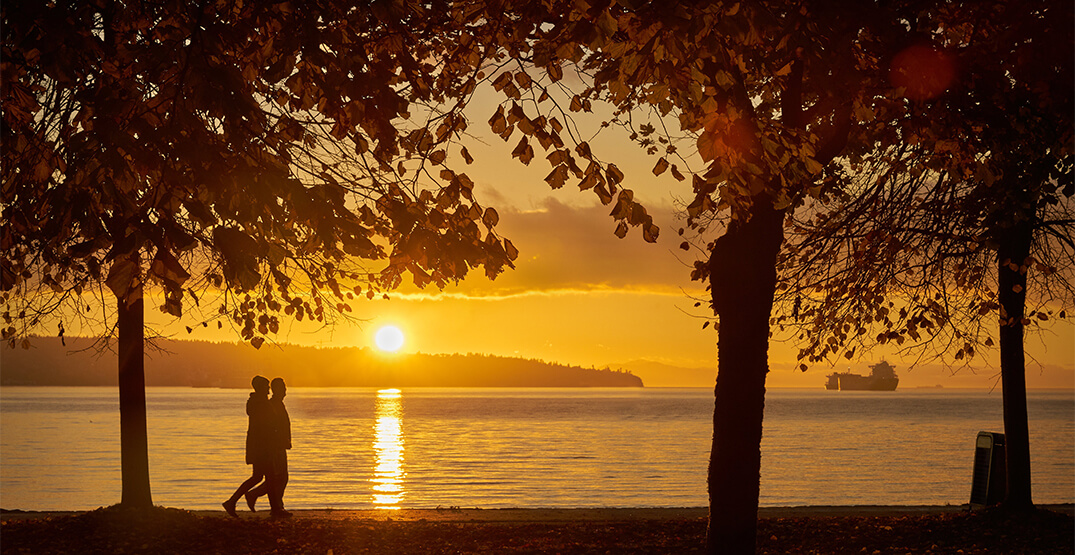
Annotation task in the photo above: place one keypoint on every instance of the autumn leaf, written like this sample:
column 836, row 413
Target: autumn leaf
column 613, row 174
column 490, row 218
column 498, row 123
column 589, row 181
column 168, row 269
column 523, row 151
column 510, row 249
column 708, row 146
column 650, row 233
column 576, row 104
column 502, row 81
column 122, row 276
column 555, row 72
column 661, row 166
column 557, row 177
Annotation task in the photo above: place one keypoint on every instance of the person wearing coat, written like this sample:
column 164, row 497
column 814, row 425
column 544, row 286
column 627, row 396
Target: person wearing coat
column 277, row 477
column 259, row 439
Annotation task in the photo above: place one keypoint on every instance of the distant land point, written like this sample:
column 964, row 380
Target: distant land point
column 171, row 362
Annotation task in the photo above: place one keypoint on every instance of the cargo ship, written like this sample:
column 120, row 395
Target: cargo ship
column 882, row 378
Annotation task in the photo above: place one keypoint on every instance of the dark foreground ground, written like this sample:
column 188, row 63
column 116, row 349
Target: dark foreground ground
column 643, row 531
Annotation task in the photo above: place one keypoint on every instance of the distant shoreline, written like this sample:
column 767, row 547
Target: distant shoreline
column 180, row 363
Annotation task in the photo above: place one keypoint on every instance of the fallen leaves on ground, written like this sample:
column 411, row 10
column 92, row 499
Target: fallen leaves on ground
column 116, row 530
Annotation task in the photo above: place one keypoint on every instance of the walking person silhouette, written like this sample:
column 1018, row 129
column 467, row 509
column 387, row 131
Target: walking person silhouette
column 276, row 480
column 258, row 440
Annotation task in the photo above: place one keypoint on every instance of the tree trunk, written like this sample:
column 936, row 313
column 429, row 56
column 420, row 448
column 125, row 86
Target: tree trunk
column 134, row 445
column 1014, row 249
column 743, row 280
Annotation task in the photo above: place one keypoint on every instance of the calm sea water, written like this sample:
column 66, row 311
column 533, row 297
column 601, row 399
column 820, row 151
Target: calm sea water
column 494, row 448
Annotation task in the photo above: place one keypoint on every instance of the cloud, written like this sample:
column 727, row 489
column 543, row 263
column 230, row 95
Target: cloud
column 568, row 248
column 514, row 294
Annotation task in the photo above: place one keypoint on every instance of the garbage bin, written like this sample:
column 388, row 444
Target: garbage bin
column 989, row 481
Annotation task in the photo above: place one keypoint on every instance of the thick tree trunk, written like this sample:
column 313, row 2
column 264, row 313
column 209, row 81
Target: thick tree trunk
column 134, row 445
column 1014, row 250
column 743, row 279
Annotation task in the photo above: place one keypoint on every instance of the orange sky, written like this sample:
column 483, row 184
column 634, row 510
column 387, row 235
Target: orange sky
column 580, row 295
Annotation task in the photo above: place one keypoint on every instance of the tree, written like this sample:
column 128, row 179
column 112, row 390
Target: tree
column 773, row 92
column 787, row 102
column 252, row 148
column 970, row 200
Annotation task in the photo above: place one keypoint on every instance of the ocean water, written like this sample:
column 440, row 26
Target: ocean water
column 496, row 448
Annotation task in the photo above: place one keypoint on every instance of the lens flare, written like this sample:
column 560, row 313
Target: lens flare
column 923, row 72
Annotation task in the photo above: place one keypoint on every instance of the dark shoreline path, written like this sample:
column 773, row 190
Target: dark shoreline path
column 570, row 515
column 845, row 529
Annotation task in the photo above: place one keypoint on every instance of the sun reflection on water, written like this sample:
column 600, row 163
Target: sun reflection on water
column 388, row 471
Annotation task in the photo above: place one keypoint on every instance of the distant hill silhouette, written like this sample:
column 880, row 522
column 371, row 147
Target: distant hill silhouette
column 658, row 374
column 208, row 364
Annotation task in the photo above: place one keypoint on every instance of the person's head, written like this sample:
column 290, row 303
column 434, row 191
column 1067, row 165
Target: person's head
column 260, row 384
column 278, row 388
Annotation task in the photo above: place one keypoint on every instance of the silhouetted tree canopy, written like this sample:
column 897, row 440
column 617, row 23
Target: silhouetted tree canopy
column 910, row 245
column 963, row 214
column 261, row 148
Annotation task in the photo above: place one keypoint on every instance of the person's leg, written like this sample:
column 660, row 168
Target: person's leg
column 250, row 482
column 256, row 476
column 279, row 482
column 263, row 471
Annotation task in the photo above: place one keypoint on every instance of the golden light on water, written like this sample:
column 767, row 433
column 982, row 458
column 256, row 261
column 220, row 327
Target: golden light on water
column 388, row 471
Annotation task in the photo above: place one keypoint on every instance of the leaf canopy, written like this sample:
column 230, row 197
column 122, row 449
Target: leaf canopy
column 257, row 147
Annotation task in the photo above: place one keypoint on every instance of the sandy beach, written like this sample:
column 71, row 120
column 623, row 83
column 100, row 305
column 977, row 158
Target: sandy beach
column 844, row 529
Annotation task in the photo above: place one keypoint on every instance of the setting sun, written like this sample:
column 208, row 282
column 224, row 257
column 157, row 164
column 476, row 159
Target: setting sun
column 389, row 338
